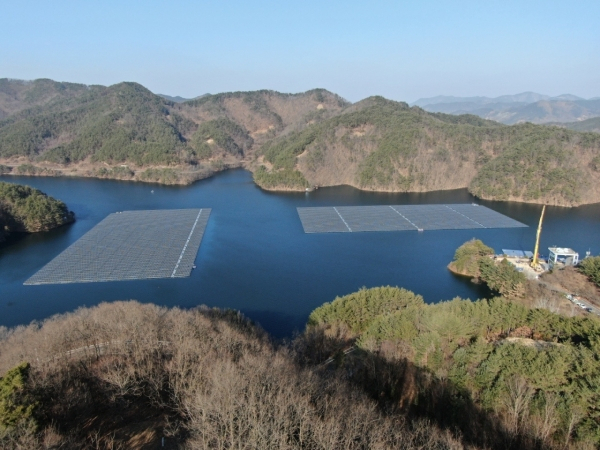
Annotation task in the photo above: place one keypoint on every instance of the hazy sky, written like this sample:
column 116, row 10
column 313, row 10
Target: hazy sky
column 402, row 50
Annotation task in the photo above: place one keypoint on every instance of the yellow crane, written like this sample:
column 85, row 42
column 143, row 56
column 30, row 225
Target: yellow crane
column 534, row 262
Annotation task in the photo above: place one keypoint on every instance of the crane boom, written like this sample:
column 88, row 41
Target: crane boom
column 535, row 263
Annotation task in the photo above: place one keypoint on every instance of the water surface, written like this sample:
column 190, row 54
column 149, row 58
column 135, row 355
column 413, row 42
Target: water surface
column 255, row 256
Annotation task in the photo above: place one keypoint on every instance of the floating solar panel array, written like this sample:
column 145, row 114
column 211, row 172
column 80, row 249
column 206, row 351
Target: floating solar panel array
column 347, row 219
column 131, row 245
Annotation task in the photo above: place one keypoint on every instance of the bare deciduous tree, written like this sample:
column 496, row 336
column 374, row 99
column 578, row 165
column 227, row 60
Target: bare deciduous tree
column 516, row 401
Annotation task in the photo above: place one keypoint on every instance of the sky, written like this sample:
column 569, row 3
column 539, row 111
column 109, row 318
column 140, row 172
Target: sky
column 403, row 50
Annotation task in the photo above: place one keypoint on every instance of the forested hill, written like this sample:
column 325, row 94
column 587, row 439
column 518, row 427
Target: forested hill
column 534, row 371
column 125, row 131
column 17, row 95
column 27, row 210
column 381, row 145
column 289, row 141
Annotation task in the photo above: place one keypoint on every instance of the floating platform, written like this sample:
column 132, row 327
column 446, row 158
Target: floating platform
column 350, row 219
column 131, row 245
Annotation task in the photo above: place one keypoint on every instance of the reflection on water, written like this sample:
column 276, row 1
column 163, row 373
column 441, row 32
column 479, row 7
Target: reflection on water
column 255, row 256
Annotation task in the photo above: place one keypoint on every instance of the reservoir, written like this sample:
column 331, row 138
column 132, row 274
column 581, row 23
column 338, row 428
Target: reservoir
column 255, row 256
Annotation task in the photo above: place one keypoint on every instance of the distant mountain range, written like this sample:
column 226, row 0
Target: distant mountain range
column 178, row 99
column 585, row 125
column 511, row 109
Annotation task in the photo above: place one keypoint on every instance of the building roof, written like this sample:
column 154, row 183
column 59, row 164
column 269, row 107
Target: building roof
column 562, row 251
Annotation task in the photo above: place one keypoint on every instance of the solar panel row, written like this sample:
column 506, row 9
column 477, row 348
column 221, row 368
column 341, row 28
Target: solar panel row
column 164, row 243
column 345, row 219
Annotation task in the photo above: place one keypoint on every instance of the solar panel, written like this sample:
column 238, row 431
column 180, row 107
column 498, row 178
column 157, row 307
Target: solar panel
column 487, row 217
column 322, row 220
column 373, row 218
column 402, row 218
column 130, row 245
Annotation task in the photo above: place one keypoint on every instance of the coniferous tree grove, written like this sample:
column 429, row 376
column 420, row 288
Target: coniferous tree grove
column 27, row 210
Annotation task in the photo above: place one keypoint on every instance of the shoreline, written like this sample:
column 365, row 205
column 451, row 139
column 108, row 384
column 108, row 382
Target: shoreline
column 182, row 176
column 177, row 175
column 451, row 268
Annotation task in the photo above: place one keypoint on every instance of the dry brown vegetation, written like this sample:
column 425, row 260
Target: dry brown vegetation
column 264, row 114
column 571, row 280
column 458, row 375
column 125, row 375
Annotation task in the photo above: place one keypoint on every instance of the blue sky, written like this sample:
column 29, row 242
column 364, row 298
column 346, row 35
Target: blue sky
column 402, row 50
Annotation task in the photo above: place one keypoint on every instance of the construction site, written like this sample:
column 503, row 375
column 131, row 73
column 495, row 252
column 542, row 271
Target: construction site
column 556, row 272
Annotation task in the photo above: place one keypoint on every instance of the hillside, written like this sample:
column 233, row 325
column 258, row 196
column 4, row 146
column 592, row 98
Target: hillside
column 375, row 369
column 533, row 371
column 289, row 141
column 27, row 210
column 126, row 132
column 382, row 145
column 138, row 376
column 18, row 95
column 265, row 114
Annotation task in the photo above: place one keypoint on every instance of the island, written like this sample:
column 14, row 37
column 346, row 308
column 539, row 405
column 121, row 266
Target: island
column 27, row 210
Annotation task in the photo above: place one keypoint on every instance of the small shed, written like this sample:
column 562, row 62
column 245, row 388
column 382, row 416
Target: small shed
column 562, row 256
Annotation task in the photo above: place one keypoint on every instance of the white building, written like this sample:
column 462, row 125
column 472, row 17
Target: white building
column 562, row 257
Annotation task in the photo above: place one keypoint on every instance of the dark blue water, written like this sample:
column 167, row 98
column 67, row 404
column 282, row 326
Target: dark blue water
column 255, row 256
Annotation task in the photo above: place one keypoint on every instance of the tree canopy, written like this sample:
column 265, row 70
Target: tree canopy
column 25, row 209
column 591, row 267
column 495, row 352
